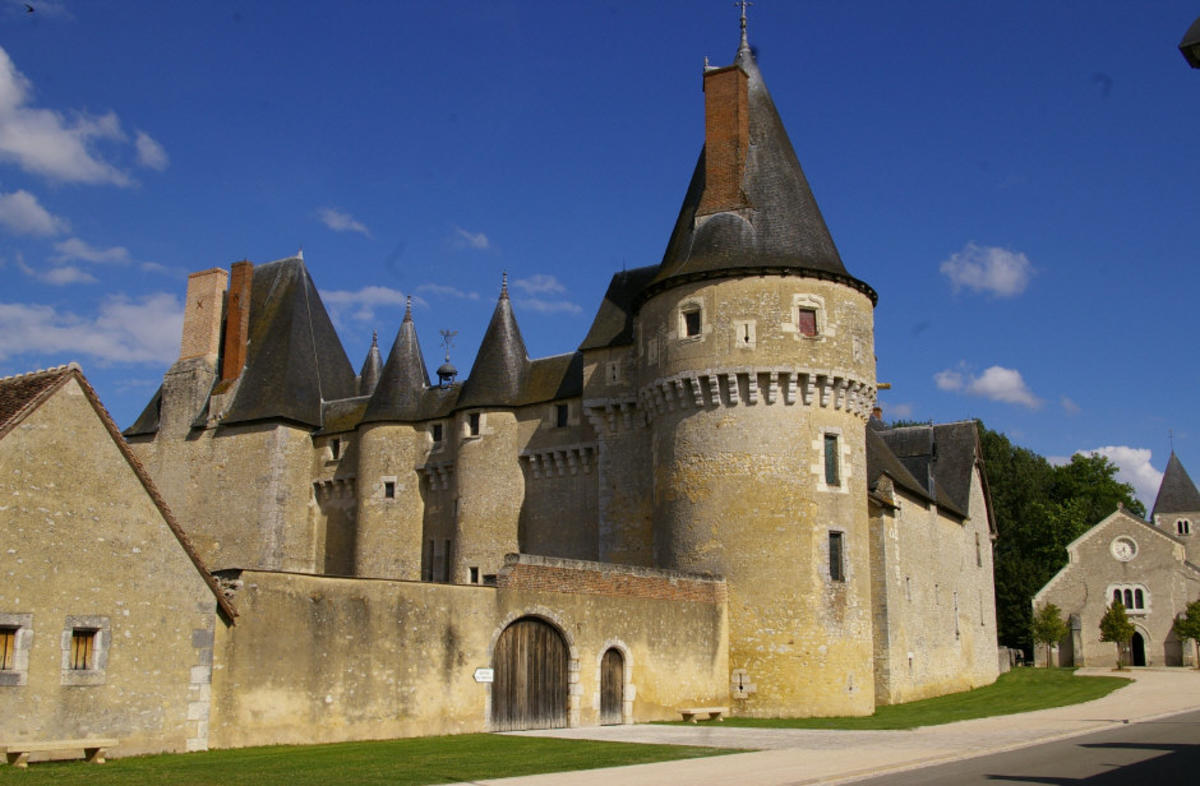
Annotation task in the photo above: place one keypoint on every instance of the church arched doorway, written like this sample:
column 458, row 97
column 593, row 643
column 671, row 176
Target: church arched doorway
column 612, row 687
column 530, row 687
column 1137, row 647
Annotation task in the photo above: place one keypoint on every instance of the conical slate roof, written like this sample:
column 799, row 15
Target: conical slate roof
column 1178, row 493
column 368, row 378
column 403, row 380
column 780, row 230
column 498, row 377
column 294, row 360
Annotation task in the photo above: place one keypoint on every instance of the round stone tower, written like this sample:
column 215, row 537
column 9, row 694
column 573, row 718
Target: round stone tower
column 757, row 376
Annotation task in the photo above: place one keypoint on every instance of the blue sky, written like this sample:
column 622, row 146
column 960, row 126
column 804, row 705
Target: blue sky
column 1018, row 181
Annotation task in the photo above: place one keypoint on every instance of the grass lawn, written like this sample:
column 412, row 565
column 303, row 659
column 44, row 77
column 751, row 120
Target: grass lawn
column 416, row 761
column 1020, row 690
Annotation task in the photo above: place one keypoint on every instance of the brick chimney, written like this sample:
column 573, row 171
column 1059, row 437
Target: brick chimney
column 202, row 315
column 237, row 320
column 726, row 139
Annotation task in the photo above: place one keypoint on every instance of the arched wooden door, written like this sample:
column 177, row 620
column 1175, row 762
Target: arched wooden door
column 530, row 687
column 612, row 687
column 1138, row 645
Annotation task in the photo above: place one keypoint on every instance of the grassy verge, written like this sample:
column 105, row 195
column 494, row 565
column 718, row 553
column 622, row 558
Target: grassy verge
column 417, row 761
column 1020, row 690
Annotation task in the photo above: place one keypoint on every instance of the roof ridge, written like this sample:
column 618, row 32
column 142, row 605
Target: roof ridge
column 70, row 366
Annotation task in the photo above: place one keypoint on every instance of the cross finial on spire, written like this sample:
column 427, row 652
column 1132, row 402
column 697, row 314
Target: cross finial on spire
column 504, row 284
column 743, row 5
column 408, row 308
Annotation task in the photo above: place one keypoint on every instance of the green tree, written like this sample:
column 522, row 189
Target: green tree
column 1188, row 627
column 1116, row 627
column 1049, row 627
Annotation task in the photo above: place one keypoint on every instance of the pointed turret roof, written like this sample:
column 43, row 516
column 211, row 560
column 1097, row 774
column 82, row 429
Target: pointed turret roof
column 368, row 378
column 404, row 377
column 498, row 377
column 294, row 360
column 1178, row 493
column 777, row 229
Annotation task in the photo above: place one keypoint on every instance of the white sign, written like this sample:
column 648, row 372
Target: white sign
column 485, row 675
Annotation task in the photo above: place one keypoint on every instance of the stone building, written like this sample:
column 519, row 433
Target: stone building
column 693, row 507
column 1151, row 566
column 107, row 615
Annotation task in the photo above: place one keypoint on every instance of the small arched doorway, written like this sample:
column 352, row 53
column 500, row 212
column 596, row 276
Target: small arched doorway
column 530, row 687
column 612, row 687
column 1137, row 647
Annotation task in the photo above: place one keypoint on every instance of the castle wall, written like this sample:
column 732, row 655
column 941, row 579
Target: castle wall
column 1084, row 587
column 558, row 514
column 390, row 505
column 319, row 659
column 244, row 493
column 740, row 490
column 86, row 548
column 335, row 459
column 933, row 605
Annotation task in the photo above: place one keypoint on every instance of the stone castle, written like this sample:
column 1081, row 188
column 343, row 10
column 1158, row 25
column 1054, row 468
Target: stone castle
column 698, row 505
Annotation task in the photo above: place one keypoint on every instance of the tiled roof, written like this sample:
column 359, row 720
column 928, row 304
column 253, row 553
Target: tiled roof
column 20, row 394
column 1177, row 493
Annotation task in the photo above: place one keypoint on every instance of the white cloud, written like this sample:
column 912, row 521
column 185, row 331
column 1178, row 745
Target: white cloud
column 1069, row 406
column 446, row 291
column 897, row 410
column 998, row 271
column 66, row 275
column 996, row 383
column 22, row 214
column 1133, row 467
column 549, row 306
column 124, row 331
column 539, row 283
column 150, row 153
column 471, row 239
column 75, row 250
column 948, row 380
column 366, row 300
column 47, row 142
column 341, row 221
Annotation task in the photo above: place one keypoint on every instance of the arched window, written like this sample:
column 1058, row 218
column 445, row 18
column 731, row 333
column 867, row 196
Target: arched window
column 1183, row 527
column 1129, row 599
column 1117, row 597
column 1138, row 599
column 1134, row 597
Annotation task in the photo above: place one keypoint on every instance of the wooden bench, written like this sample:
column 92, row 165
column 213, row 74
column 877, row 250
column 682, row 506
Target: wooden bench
column 94, row 750
column 714, row 713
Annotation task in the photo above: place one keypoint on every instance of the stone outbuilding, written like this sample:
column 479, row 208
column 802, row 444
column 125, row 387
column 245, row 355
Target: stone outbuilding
column 107, row 615
column 1148, row 565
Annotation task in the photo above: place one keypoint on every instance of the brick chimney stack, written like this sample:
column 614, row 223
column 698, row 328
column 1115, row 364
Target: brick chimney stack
column 237, row 320
column 726, row 139
column 202, row 316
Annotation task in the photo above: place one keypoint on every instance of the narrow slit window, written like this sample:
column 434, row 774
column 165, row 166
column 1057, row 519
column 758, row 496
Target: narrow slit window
column 83, row 648
column 446, row 564
column 691, row 322
column 473, row 424
column 560, row 415
column 335, row 448
column 437, row 432
column 832, row 475
column 836, row 568
column 8, row 648
column 806, row 321
column 978, row 552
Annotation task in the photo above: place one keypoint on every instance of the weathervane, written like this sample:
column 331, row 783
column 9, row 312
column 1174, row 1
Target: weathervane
column 448, row 341
column 743, row 4
column 447, row 372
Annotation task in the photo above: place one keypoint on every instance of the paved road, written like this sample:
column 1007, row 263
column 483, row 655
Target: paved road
column 1161, row 752
column 786, row 757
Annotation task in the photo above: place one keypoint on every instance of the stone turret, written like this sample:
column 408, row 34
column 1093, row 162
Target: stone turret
column 756, row 373
column 490, row 484
column 1177, row 506
column 372, row 367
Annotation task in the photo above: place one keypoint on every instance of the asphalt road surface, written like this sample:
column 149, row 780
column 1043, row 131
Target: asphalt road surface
column 1157, row 753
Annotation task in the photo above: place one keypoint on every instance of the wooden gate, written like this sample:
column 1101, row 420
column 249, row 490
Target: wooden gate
column 530, row 688
column 612, row 687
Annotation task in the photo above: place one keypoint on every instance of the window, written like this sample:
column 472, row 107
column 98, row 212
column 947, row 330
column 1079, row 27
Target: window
column 335, row 448
column 832, row 476
column 691, row 321
column 1133, row 597
column 474, row 574
column 560, row 415
column 436, row 432
column 1183, row 527
column 473, row 424
column 978, row 552
column 806, row 321
column 8, row 648
column 389, row 489
column 836, row 569
column 446, row 563
column 83, row 649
